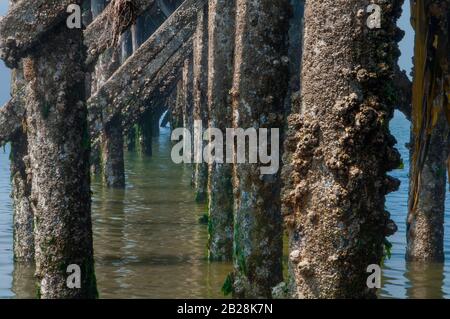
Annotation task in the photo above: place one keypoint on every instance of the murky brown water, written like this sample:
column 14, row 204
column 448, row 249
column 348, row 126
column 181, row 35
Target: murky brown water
column 149, row 244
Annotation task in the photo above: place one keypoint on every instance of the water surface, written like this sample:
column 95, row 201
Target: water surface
column 148, row 242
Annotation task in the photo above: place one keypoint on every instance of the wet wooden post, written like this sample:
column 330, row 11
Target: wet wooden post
column 113, row 164
column 145, row 133
column 96, row 9
column 126, row 52
column 58, row 145
column 156, row 117
column 430, row 132
column 339, row 150
column 187, row 101
column 259, row 88
column 221, row 30
column 200, row 108
column 21, row 181
column 141, row 30
column 59, row 148
column 143, row 127
column 111, row 149
column 21, row 189
column 178, row 114
column 425, row 222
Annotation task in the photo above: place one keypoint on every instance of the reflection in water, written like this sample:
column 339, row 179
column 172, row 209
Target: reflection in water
column 147, row 238
column 148, row 242
column 425, row 280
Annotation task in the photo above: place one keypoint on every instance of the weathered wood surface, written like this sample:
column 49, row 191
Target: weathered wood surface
column 403, row 86
column 221, row 28
column 260, row 82
column 20, row 172
column 158, row 85
column 56, row 119
column 200, row 99
column 99, row 35
column 25, row 25
column 338, row 150
column 140, row 76
column 11, row 116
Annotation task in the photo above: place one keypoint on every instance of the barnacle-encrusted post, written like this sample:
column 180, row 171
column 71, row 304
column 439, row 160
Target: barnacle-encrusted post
column 221, row 29
column 58, row 144
column 338, row 148
column 260, row 84
column 21, row 179
column 200, row 110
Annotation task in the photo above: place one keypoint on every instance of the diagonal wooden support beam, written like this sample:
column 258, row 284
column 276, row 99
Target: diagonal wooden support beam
column 99, row 35
column 11, row 118
column 137, row 79
column 25, row 25
column 159, row 89
column 158, row 84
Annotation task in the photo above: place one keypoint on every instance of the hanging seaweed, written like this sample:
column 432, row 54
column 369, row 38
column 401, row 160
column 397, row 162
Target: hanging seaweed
column 121, row 15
